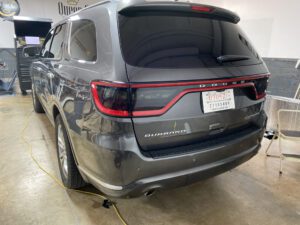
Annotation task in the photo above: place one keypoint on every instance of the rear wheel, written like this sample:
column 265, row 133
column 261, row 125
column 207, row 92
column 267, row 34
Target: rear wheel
column 36, row 102
column 24, row 92
column 68, row 169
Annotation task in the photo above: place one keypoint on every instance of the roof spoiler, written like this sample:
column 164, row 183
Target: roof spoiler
column 173, row 8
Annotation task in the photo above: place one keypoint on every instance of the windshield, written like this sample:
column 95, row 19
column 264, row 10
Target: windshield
column 167, row 41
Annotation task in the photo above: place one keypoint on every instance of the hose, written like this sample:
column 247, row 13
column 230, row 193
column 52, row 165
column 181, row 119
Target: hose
column 53, row 177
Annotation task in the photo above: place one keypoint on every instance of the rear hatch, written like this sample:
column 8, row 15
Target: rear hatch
column 194, row 75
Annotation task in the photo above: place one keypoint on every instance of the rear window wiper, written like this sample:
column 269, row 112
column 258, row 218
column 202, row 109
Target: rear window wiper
column 232, row 58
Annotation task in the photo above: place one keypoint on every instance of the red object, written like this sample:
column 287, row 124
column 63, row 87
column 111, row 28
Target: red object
column 121, row 113
column 201, row 8
column 101, row 107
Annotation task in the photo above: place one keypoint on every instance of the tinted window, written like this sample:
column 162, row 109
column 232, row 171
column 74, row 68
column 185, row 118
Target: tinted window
column 46, row 46
column 83, row 41
column 163, row 41
column 58, row 38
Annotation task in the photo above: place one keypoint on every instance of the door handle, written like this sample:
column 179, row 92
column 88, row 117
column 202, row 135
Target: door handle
column 50, row 75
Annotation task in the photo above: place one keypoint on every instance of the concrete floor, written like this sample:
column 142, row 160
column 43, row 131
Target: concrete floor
column 253, row 193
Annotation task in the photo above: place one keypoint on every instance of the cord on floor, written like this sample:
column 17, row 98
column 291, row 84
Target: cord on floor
column 106, row 201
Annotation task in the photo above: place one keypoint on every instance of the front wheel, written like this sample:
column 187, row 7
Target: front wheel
column 68, row 169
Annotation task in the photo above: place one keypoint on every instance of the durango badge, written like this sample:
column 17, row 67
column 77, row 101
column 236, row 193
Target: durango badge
column 166, row 134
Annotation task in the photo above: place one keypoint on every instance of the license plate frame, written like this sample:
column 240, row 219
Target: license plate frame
column 215, row 101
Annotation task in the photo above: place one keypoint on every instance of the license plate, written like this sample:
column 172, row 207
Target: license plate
column 218, row 100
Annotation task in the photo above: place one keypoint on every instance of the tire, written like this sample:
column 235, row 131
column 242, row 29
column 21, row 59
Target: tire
column 24, row 92
column 38, row 108
column 69, row 173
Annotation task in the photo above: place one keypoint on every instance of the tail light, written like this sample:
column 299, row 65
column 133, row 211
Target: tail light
column 123, row 100
column 201, row 8
column 260, row 87
column 111, row 98
column 138, row 100
column 145, row 99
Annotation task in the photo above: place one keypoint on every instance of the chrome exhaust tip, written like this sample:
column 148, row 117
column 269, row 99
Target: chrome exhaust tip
column 149, row 193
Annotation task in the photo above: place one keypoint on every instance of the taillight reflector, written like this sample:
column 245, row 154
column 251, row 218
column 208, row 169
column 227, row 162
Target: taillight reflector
column 200, row 8
column 153, row 99
column 116, row 106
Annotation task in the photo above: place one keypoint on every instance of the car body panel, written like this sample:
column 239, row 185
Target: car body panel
column 109, row 151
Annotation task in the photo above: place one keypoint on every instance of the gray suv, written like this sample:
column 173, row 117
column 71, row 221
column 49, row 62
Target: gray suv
column 150, row 95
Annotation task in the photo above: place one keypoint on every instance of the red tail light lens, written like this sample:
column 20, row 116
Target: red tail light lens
column 120, row 100
column 201, row 8
column 258, row 88
column 261, row 87
column 111, row 99
column 138, row 100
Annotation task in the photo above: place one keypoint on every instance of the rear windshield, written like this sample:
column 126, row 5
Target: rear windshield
column 167, row 41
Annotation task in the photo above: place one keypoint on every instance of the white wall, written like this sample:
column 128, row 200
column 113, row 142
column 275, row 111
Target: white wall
column 6, row 34
column 35, row 8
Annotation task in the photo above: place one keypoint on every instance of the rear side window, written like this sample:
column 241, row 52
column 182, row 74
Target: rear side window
column 46, row 46
column 57, row 43
column 83, row 41
column 180, row 41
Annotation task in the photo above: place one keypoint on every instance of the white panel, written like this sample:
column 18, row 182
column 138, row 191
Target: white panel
column 7, row 35
column 260, row 33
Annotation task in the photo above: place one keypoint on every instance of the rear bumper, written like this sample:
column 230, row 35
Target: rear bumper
column 146, row 174
column 180, row 178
